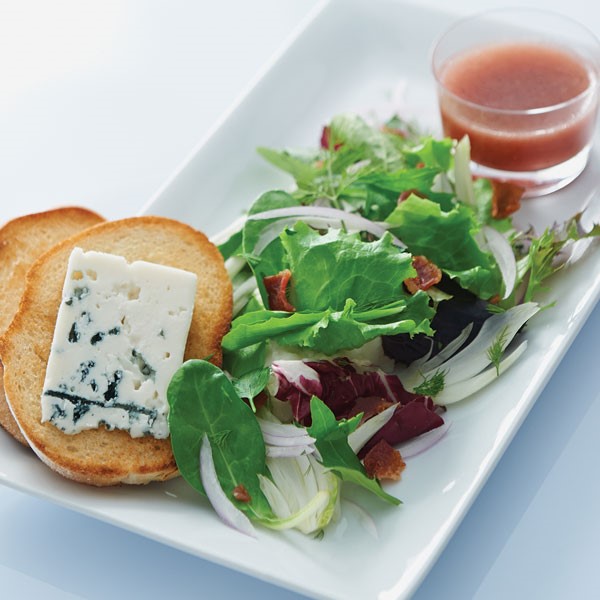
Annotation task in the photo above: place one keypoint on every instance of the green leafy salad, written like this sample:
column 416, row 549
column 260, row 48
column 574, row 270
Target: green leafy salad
column 387, row 285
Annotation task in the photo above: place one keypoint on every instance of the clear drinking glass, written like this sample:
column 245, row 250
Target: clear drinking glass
column 523, row 84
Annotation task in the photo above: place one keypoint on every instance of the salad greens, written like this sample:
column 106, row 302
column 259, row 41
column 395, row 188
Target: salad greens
column 233, row 431
column 448, row 239
column 204, row 405
column 540, row 260
column 328, row 331
column 371, row 273
column 336, row 453
column 386, row 285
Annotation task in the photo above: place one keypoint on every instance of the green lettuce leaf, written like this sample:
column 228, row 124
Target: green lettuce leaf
column 447, row 238
column 332, row 443
column 328, row 269
column 430, row 152
column 346, row 292
column 330, row 331
column 371, row 273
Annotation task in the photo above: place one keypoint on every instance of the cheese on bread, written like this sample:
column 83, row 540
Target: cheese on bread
column 120, row 335
column 99, row 456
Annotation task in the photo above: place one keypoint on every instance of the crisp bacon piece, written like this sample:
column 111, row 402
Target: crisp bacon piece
column 428, row 275
column 276, row 286
column 325, row 141
column 407, row 193
column 384, row 462
column 240, row 493
column 506, row 198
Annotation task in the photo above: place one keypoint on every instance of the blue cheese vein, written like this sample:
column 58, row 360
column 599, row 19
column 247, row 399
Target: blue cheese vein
column 120, row 335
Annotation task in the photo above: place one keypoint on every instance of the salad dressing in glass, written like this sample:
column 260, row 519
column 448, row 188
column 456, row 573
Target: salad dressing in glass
column 523, row 85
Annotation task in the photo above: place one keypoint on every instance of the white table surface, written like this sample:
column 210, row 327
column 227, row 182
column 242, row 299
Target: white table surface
column 99, row 103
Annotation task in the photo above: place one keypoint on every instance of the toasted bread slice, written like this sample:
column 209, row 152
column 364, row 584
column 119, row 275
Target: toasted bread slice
column 6, row 419
column 22, row 241
column 101, row 457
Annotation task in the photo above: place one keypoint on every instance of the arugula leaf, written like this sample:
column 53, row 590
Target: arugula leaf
column 332, row 443
column 304, row 169
column 360, row 157
column 203, row 400
column 448, row 240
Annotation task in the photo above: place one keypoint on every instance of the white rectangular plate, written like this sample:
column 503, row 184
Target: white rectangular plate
column 352, row 56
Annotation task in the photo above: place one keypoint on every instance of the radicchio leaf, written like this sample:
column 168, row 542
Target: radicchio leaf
column 348, row 389
column 409, row 421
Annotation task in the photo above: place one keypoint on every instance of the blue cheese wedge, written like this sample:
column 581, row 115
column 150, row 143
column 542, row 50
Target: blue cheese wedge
column 120, row 336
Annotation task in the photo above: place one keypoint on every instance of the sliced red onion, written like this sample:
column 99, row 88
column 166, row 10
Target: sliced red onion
column 424, row 441
column 503, row 254
column 288, row 451
column 317, row 216
column 277, row 440
column 312, row 211
column 281, row 429
column 271, row 232
column 224, row 507
column 285, row 439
